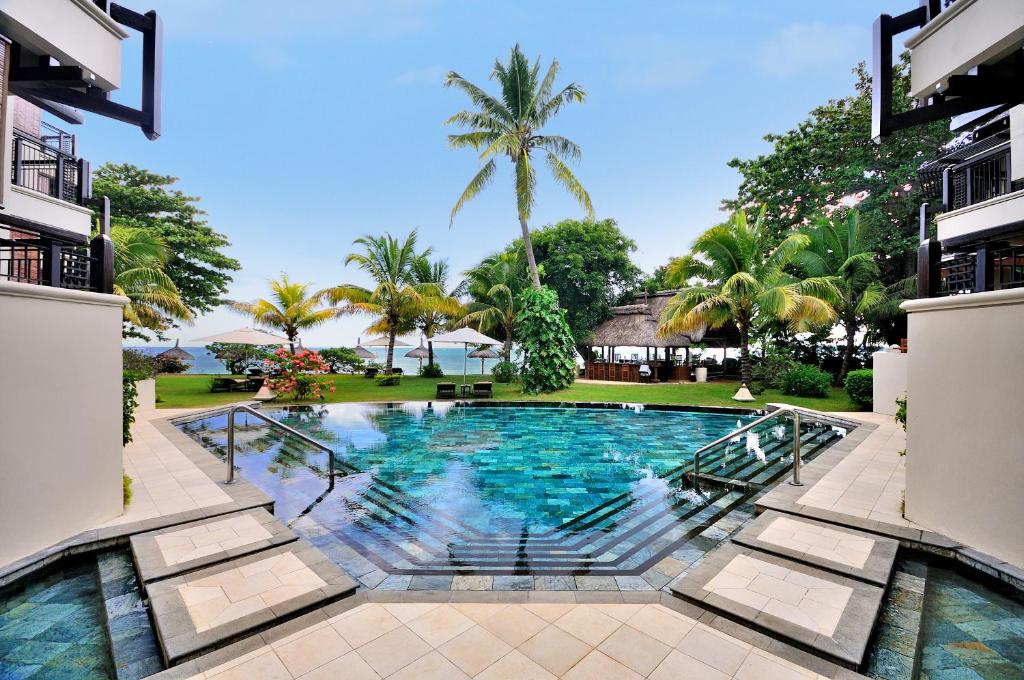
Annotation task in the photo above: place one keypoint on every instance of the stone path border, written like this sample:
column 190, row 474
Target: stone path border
column 178, row 633
column 150, row 559
column 848, row 643
column 876, row 570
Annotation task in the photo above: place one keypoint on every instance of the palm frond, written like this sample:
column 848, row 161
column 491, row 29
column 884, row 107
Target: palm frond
column 565, row 177
column 475, row 186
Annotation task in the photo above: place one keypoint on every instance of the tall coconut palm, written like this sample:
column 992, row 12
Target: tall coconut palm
column 432, row 317
column 511, row 126
column 153, row 299
column 743, row 281
column 837, row 250
column 397, row 300
column 494, row 286
column 291, row 308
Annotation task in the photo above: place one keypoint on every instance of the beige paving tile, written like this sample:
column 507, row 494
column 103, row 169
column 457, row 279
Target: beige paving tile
column 662, row 624
column 432, row 666
column 598, row 665
column 478, row 611
column 554, row 649
column 393, row 651
column 441, row 624
column 350, row 667
column 588, row 624
column 312, row 651
column 620, row 612
column 680, row 666
column 265, row 666
column 549, row 611
column 407, row 611
column 635, row 650
column 515, row 625
column 763, row 666
column 715, row 649
column 474, row 650
column 366, row 623
column 514, row 666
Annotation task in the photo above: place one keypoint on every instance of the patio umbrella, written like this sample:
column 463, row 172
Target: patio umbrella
column 362, row 352
column 383, row 342
column 420, row 353
column 175, row 352
column 465, row 337
column 481, row 354
column 244, row 336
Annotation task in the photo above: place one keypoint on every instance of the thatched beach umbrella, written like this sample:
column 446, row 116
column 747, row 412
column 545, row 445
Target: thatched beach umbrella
column 176, row 353
column 465, row 337
column 481, row 354
column 420, row 353
column 362, row 352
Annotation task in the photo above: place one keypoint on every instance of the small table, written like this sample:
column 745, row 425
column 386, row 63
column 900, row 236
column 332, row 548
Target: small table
column 466, row 390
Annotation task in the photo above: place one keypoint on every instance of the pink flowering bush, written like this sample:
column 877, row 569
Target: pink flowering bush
column 303, row 374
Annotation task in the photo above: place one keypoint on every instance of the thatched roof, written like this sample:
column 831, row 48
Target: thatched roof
column 175, row 353
column 636, row 325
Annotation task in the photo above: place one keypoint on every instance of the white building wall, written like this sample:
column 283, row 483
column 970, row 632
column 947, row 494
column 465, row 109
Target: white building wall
column 60, row 415
column 965, row 435
column 889, row 380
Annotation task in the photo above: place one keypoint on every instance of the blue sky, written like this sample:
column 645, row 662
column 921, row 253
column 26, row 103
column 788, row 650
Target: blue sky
column 304, row 125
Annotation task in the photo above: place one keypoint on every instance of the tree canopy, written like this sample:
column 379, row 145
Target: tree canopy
column 829, row 160
column 145, row 200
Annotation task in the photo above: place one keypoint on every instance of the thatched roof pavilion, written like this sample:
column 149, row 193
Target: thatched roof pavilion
column 636, row 325
column 175, row 352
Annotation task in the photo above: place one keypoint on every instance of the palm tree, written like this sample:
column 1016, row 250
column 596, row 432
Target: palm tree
column 511, row 127
column 431, row 318
column 397, row 300
column 139, row 260
column 494, row 286
column 290, row 309
column 837, row 250
column 744, row 282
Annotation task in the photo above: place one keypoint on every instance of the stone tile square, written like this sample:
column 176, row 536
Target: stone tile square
column 393, row 651
column 441, row 624
column 432, row 666
column 598, row 665
column 588, row 624
column 715, row 649
column 350, row 667
column 474, row 650
column 515, row 625
column 549, row 611
column 662, row 624
column 407, row 611
column 365, row 623
column 554, row 649
column 515, row 666
column 635, row 650
column 479, row 611
column 680, row 666
column 312, row 651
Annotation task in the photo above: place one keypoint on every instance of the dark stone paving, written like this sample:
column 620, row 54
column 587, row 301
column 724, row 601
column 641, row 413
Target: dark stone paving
column 132, row 642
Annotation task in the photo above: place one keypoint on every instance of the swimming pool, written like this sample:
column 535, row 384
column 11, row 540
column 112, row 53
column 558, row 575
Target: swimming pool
column 458, row 488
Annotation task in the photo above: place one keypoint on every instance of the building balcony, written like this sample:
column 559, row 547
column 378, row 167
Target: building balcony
column 979, row 195
column 47, row 164
column 961, row 36
column 28, row 256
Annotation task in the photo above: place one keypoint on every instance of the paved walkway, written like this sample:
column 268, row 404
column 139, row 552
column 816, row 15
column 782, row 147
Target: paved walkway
column 164, row 480
column 454, row 641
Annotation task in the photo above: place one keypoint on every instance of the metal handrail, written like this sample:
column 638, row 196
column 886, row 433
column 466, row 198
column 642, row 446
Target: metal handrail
column 274, row 423
column 782, row 410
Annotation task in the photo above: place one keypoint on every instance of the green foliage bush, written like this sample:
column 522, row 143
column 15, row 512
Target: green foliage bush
column 770, row 369
column 504, row 372
column 547, row 346
column 126, row 488
column 806, row 381
column 432, row 371
column 238, row 359
column 388, row 379
column 139, row 365
column 129, row 402
column 860, row 386
column 169, row 365
column 341, row 359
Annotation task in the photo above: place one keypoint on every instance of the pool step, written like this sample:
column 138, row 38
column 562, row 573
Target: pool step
column 215, row 581
column 811, row 584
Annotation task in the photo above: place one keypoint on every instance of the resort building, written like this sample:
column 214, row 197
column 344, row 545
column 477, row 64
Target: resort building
column 964, row 369
column 60, row 390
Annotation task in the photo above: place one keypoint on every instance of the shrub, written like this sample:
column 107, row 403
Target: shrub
column 770, row 369
column 341, row 359
column 504, row 372
column 901, row 411
column 388, row 379
column 140, row 365
column 860, row 386
column 807, row 381
column 126, row 488
column 238, row 359
column 300, row 374
column 367, row 373
column 129, row 402
column 169, row 365
column 546, row 343
column 432, row 371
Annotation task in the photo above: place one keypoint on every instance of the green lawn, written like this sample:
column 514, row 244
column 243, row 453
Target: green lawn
column 190, row 391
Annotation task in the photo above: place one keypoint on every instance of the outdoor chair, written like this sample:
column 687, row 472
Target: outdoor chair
column 372, row 372
column 645, row 373
column 396, row 371
column 228, row 385
column 483, row 389
column 445, row 390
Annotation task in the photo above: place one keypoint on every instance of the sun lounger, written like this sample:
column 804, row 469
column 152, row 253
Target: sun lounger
column 445, row 390
column 483, row 389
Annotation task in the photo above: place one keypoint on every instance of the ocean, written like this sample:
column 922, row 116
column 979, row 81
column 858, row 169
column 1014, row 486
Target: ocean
column 449, row 358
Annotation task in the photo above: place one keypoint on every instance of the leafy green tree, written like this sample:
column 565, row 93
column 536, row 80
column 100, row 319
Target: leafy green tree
column 341, row 359
column 588, row 265
column 494, row 287
column 743, row 281
column 511, row 127
column 838, row 250
column 154, row 302
column 431, row 318
column 291, row 308
column 238, row 359
column 655, row 281
column 549, row 357
column 145, row 200
column 396, row 301
column 830, row 156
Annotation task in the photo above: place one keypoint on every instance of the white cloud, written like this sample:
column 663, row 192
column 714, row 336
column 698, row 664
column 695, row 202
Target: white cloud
column 428, row 75
column 799, row 48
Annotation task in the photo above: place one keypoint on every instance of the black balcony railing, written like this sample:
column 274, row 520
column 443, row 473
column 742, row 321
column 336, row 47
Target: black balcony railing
column 1008, row 267
column 957, row 275
column 47, row 165
column 978, row 179
column 28, row 256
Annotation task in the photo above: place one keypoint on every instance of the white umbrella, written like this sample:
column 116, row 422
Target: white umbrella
column 383, row 342
column 465, row 337
column 244, row 336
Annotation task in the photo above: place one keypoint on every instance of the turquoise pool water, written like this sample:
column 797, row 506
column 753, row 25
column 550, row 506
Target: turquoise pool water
column 449, row 488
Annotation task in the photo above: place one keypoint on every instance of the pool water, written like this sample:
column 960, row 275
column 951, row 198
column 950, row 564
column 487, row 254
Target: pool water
column 448, row 488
